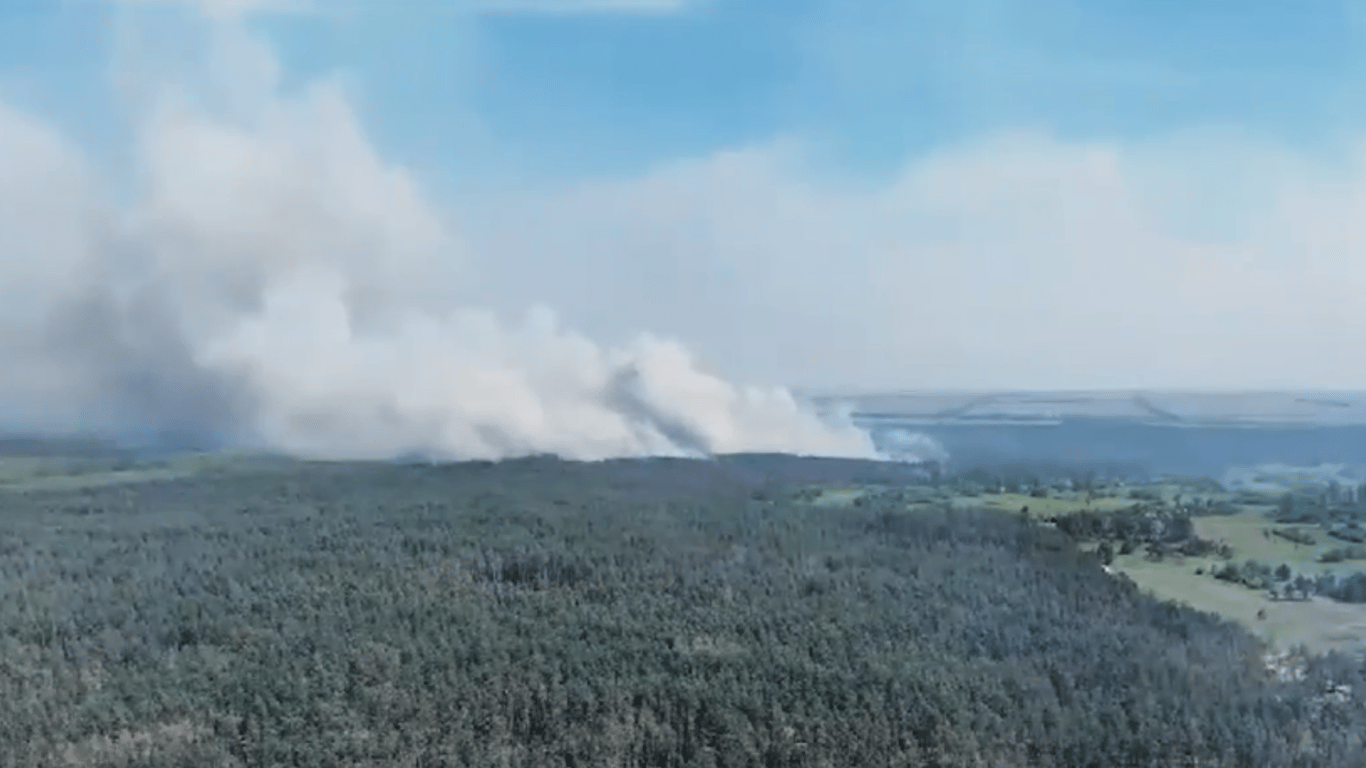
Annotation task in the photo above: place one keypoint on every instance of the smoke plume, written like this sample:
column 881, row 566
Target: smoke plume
column 263, row 278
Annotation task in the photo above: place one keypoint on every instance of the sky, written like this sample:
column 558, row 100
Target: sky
column 890, row 194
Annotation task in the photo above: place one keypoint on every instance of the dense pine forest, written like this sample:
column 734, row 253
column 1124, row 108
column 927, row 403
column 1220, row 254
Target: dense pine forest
column 631, row 613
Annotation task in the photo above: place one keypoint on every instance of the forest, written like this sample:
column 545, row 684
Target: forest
column 658, row 612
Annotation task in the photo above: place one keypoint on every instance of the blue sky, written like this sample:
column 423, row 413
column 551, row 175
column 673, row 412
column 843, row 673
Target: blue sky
column 977, row 194
column 603, row 91
column 870, row 81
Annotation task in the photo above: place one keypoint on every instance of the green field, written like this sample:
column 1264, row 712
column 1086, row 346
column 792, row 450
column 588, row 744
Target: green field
column 838, row 497
column 1049, row 507
column 1319, row 624
column 1244, row 533
column 46, row 473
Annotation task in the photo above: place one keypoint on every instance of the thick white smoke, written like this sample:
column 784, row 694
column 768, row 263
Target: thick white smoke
column 270, row 280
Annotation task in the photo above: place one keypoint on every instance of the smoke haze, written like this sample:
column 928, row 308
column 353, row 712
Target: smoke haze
column 263, row 278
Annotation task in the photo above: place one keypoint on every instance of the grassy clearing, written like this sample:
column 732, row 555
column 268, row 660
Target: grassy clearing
column 1244, row 533
column 93, row 480
column 19, row 469
column 1049, row 507
column 46, row 473
column 838, row 497
column 1319, row 624
column 1010, row 502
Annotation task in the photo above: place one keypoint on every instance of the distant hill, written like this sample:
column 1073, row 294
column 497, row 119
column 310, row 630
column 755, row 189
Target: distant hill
column 1123, row 433
column 1170, row 408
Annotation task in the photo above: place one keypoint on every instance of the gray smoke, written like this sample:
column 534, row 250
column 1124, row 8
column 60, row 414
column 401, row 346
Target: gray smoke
column 911, row 446
column 269, row 280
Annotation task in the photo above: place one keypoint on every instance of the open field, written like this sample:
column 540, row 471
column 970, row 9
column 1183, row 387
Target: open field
column 1048, row 507
column 1010, row 502
column 1319, row 624
column 47, row 473
column 28, row 473
column 1244, row 533
column 77, row 481
column 838, row 497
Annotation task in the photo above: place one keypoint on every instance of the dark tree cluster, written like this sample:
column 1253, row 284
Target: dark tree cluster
column 544, row 613
column 1327, row 506
column 1296, row 536
column 1159, row 530
column 1280, row 582
column 1021, row 477
column 1341, row 554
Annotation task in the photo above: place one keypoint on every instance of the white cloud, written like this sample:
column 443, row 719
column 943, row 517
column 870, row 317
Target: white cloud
column 1014, row 261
